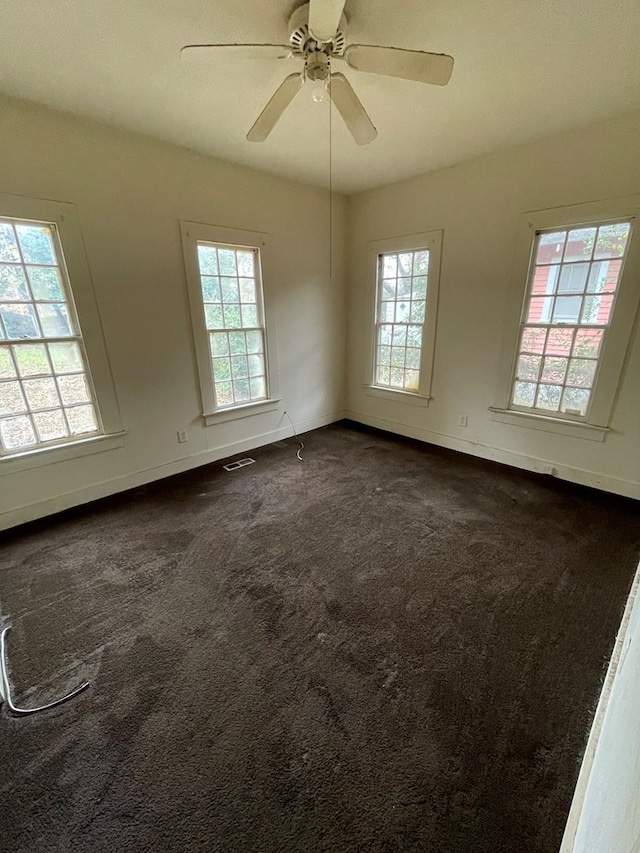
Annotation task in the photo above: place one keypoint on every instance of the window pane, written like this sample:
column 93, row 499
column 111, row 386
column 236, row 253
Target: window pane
column 239, row 367
column 81, row 419
column 247, row 290
column 238, row 343
column 74, row 389
column 402, row 311
column 533, row 340
column 20, row 321
column 411, row 380
column 36, row 244
column 421, row 263
column 45, row 283
column 603, row 276
column 612, row 240
column 41, row 393
column 567, row 309
column 224, row 393
column 588, row 342
column 241, row 390
column 597, row 309
column 559, row 341
column 32, row 359
column 8, row 244
column 65, row 357
column 579, row 244
column 389, row 266
column 551, row 247
column 257, row 388
column 256, row 365
column 524, row 394
column 227, row 262
column 7, row 370
column 528, row 367
column 232, row 318
column 230, row 292
column 254, row 342
column 17, row 433
column 573, row 278
column 245, row 264
column 540, row 308
column 549, row 397
column 221, row 369
column 210, row 288
column 554, row 369
column 249, row 316
column 50, row 425
column 387, row 312
column 54, row 320
column 11, row 399
column 581, row 372
column 219, row 343
column 13, row 284
column 575, row 401
column 213, row 317
column 207, row 260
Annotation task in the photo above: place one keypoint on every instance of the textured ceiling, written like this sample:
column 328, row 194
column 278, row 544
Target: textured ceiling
column 523, row 70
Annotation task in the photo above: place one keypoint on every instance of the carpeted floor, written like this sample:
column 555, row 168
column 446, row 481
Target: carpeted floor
column 386, row 647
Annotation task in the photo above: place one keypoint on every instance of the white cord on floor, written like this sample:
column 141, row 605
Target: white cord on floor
column 301, row 448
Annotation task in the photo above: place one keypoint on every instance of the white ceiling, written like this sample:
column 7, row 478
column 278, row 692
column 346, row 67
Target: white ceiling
column 524, row 69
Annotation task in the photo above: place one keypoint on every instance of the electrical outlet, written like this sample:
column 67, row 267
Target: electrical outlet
column 462, row 421
column 182, row 436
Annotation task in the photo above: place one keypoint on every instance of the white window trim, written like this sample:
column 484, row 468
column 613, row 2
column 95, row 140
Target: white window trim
column 596, row 426
column 192, row 232
column 431, row 240
column 65, row 217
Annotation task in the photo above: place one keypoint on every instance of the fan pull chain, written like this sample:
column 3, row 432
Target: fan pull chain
column 330, row 180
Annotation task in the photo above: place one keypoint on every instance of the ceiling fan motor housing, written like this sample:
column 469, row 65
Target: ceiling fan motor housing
column 303, row 43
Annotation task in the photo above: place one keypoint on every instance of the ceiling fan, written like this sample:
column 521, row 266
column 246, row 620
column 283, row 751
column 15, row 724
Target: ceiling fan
column 317, row 33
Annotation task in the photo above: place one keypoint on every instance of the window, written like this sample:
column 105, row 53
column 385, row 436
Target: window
column 574, row 280
column 570, row 317
column 46, row 392
column 402, row 300
column 406, row 300
column 224, row 271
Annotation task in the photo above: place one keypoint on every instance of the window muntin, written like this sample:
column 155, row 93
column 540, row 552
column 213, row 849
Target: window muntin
column 233, row 315
column 46, row 394
column 400, row 318
column 573, row 282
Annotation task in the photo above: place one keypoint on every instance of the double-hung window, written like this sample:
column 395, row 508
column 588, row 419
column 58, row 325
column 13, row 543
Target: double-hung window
column 46, row 391
column 224, row 271
column 573, row 282
column 576, row 318
column 407, row 273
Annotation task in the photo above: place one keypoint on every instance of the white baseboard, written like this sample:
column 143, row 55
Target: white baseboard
column 39, row 509
column 627, row 488
column 622, row 788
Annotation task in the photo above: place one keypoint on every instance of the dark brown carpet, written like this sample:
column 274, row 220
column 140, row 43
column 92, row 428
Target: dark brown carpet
column 387, row 647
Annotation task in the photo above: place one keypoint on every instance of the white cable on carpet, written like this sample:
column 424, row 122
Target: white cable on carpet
column 301, row 448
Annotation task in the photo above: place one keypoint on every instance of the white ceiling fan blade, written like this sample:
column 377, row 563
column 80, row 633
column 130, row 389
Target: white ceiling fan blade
column 349, row 106
column 324, row 18
column 206, row 52
column 417, row 65
column 280, row 100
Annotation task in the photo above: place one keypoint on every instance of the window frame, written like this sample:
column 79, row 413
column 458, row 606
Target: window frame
column 83, row 308
column 595, row 425
column 432, row 241
column 192, row 233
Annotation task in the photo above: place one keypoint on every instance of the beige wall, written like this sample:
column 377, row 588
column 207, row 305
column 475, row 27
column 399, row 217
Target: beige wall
column 478, row 205
column 131, row 192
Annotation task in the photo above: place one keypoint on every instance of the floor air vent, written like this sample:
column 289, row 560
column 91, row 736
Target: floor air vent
column 232, row 466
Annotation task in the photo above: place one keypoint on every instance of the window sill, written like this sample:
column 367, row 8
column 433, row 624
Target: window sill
column 574, row 429
column 60, row 452
column 245, row 411
column 396, row 395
